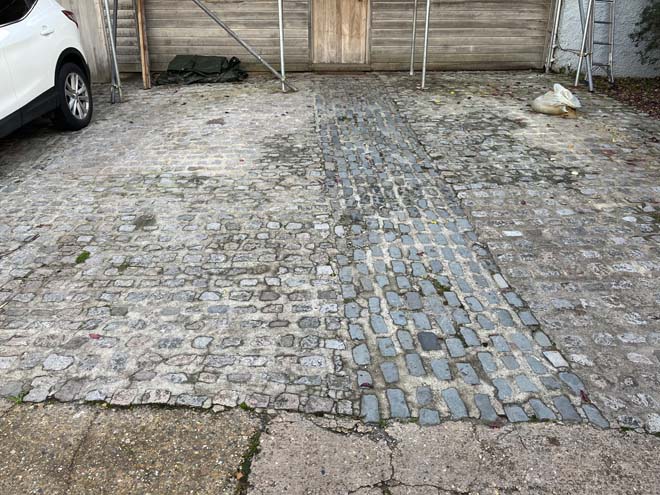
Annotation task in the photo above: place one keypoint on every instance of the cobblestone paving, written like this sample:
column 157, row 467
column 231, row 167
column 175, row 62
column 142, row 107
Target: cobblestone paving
column 437, row 331
column 570, row 211
column 316, row 252
column 207, row 279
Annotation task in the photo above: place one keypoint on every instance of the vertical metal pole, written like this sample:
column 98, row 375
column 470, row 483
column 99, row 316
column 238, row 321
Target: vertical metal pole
column 585, row 39
column 553, row 39
column 116, row 81
column 611, row 39
column 280, row 12
column 426, row 42
column 114, row 28
column 414, row 40
column 590, row 44
column 584, row 23
column 115, row 16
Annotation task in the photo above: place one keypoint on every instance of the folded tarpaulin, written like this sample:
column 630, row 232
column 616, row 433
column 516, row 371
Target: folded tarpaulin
column 190, row 69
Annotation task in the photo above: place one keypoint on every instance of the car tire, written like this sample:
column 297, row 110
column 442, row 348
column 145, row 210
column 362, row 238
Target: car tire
column 74, row 98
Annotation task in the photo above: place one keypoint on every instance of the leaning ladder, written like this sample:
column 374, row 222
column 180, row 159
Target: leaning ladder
column 586, row 51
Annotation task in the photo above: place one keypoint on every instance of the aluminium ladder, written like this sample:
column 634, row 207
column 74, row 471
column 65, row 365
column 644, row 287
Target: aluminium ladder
column 589, row 20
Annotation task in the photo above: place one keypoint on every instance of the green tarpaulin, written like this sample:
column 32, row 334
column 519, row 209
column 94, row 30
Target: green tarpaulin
column 190, row 69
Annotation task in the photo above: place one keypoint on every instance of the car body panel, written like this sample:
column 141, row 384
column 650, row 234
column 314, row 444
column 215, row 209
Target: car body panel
column 8, row 102
column 32, row 47
column 31, row 51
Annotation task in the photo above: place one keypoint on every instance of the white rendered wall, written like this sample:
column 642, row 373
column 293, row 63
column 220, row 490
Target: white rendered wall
column 626, row 59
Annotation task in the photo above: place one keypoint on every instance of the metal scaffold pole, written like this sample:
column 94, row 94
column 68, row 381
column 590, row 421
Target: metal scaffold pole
column 280, row 12
column 115, row 90
column 426, row 42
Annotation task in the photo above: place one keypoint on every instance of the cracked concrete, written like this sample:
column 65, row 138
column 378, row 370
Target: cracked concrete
column 71, row 449
column 302, row 456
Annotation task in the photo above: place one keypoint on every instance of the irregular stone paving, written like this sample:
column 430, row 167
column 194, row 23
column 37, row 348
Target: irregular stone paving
column 570, row 211
column 301, row 252
column 208, row 279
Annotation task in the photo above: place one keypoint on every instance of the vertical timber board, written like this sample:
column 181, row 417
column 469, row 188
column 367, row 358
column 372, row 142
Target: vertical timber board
column 340, row 30
column 326, row 25
column 92, row 33
column 145, row 61
column 354, row 20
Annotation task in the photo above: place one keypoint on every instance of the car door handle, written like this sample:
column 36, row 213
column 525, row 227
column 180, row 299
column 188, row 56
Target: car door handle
column 47, row 31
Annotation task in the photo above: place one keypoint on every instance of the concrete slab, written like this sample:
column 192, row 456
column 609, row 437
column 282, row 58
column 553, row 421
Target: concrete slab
column 299, row 457
column 38, row 446
column 162, row 451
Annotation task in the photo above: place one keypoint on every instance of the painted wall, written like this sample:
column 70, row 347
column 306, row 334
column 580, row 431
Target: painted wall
column 89, row 14
column 626, row 60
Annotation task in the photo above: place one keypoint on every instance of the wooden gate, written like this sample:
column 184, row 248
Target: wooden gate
column 340, row 33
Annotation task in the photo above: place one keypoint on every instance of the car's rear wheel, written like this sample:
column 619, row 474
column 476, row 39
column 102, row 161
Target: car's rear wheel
column 74, row 96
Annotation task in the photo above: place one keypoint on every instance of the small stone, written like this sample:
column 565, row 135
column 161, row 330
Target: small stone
column 123, row 397
column 424, row 396
column 209, row 296
column 440, row 369
column 156, row 397
column 317, row 404
column 289, row 402
column 556, row 359
column 594, row 416
column 364, row 379
column 541, row 411
column 202, row 342
column 386, row 347
column 573, row 382
column 653, row 423
column 397, row 401
column 369, row 410
column 525, row 384
column 516, row 414
column 487, row 362
column 486, row 410
column 95, row 396
column 415, row 365
column 56, row 362
column 504, row 391
column 428, row 417
column 390, row 372
column 566, row 409
column 467, row 372
column 454, row 403
column 255, row 401
column 361, row 355
column 188, row 400
column 455, row 347
column 36, row 395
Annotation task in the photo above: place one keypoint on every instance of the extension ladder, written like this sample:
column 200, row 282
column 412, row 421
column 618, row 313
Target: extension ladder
column 589, row 20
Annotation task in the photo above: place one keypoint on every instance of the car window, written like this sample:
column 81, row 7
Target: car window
column 14, row 10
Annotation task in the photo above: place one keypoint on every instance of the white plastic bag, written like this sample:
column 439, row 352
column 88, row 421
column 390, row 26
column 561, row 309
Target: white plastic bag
column 559, row 101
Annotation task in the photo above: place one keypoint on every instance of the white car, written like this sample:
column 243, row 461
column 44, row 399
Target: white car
column 43, row 69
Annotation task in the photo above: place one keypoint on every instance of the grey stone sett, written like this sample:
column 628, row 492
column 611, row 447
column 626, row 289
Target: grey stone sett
column 486, row 410
column 454, row 403
column 390, row 372
column 541, row 411
column 515, row 413
column 397, row 401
